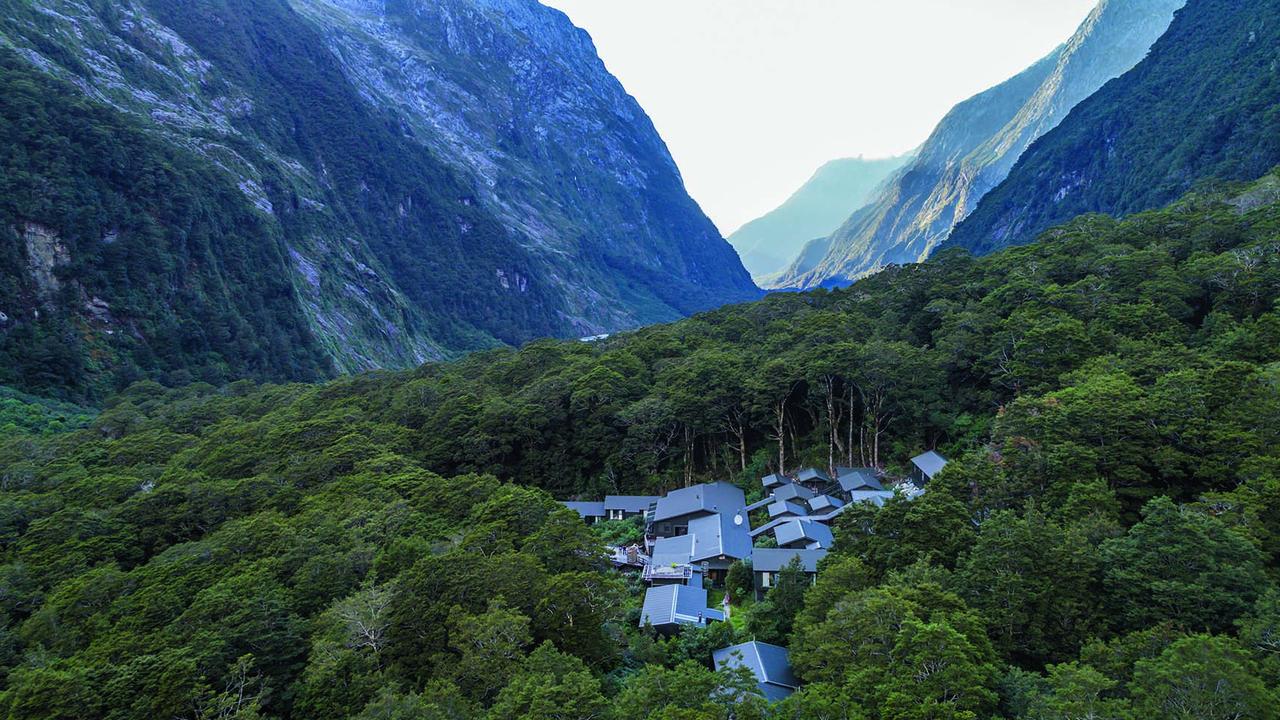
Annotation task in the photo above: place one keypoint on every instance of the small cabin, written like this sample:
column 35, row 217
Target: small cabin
column 590, row 512
column 770, row 664
column 803, row 534
column 814, row 479
column 773, row 480
column 766, row 563
column 924, row 467
column 623, row 507
column 851, row 480
column 667, row 607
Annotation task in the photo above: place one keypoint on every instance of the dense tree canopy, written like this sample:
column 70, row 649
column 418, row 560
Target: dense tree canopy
column 1105, row 542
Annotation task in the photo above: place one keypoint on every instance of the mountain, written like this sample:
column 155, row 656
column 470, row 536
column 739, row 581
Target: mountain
column 768, row 244
column 976, row 145
column 285, row 190
column 1202, row 105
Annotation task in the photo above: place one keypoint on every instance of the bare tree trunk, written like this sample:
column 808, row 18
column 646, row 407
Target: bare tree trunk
column 864, row 442
column 833, row 421
column 780, row 432
column 875, row 433
column 688, row 456
column 875, row 453
column 849, row 446
column 738, row 428
column 794, row 444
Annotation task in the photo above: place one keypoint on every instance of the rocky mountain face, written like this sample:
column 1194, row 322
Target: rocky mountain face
column 352, row 184
column 768, row 244
column 975, row 146
column 1201, row 105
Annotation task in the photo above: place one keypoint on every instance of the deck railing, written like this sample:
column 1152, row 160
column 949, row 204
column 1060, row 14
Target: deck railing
column 667, row 573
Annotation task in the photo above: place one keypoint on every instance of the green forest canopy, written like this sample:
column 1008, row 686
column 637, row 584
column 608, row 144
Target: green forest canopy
column 1104, row 543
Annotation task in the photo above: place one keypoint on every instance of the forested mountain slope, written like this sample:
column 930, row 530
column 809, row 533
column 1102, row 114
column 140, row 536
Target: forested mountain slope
column 974, row 147
column 216, row 190
column 1202, row 105
column 1105, row 537
column 768, row 244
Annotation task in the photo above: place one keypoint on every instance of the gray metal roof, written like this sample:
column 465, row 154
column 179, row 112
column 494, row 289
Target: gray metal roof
column 783, row 508
column 718, row 535
column 708, row 538
column 770, row 664
column 823, row 503
column 930, row 463
column 676, row 605
column 672, row 551
column 717, row 497
column 812, row 475
column 859, row 479
column 792, row 491
column 629, row 503
column 774, row 559
column 586, row 509
column 774, row 479
column 875, row 497
column 808, row 531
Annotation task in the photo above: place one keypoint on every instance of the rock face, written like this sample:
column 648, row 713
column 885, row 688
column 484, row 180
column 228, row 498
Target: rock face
column 768, row 244
column 1201, row 105
column 514, row 97
column 45, row 254
column 975, row 146
column 430, row 176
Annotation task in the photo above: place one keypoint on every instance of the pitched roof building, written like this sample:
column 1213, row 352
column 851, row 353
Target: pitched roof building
column 852, row 479
column 590, row 511
column 621, row 507
column 766, row 563
column 711, row 538
column 819, row 504
column 786, row 508
column 770, row 664
column 792, row 491
column 802, row 534
column 925, row 466
column 774, row 559
column 709, row 499
column 774, row 480
column 875, row 497
column 814, row 479
column 668, row 606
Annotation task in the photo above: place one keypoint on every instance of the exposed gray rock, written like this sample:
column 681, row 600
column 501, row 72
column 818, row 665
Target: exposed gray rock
column 595, row 229
column 976, row 145
column 45, row 253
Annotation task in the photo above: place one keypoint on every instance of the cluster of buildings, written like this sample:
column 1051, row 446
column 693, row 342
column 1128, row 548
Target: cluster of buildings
column 694, row 534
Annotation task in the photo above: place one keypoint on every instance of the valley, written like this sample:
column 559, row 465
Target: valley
column 369, row 361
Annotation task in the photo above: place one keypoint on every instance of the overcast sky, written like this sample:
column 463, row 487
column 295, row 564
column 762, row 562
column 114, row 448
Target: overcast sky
column 753, row 95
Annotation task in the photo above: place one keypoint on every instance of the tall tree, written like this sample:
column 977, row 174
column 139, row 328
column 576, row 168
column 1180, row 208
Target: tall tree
column 1202, row 678
column 1183, row 566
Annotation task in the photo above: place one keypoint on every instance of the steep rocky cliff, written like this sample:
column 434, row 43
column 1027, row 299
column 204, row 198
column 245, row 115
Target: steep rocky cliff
column 975, row 146
column 1201, row 105
column 415, row 178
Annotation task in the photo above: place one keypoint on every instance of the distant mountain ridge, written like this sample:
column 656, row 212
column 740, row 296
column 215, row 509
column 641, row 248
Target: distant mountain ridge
column 768, row 244
column 364, row 184
column 1202, row 105
column 978, row 142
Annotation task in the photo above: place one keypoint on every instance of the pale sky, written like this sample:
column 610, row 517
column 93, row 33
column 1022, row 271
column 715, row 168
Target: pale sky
column 753, row 95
